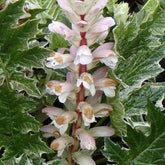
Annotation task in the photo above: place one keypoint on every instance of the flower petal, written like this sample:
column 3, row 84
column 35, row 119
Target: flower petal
column 83, row 56
column 102, row 131
column 86, row 140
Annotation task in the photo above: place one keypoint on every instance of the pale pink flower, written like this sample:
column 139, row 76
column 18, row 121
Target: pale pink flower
column 86, row 140
column 106, row 55
column 61, row 122
column 95, row 12
column 83, row 159
column 67, row 6
column 99, row 31
column 52, row 112
column 61, row 143
column 107, row 85
column 59, row 60
column 50, row 131
column 102, row 110
column 87, row 80
column 62, row 89
column 83, row 55
column 65, row 32
column 102, row 131
column 87, row 113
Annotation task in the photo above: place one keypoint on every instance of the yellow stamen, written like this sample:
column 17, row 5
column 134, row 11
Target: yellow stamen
column 59, row 59
column 49, row 84
column 53, row 54
column 55, row 146
column 109, row 82
column 87, row 79
column 58, row 88
column 60, row 120
column 88, row 112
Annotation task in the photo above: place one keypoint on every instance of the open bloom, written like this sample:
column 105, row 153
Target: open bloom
column 86, row 139
column 99, row 31
column 61, row 122
column 61, row 143
column 49, row 131
column 107, row 85
column 87, row 113
column 87, row 80
column 62, row 89
column 106, row 55
column 52, row 112
column 83, row 55
column 102, row 110
column 59, row 60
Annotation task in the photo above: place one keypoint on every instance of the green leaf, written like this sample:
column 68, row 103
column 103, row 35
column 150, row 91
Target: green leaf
column 121, row 12
column 113, row 152
column 15, row 51
column 138, row 41
column 58, row 42
column 136, row 103
column 143, row 149
column 18, row 131
column 117, row 115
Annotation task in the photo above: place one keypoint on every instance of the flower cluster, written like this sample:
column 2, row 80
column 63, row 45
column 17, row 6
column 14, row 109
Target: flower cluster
column 81, row 88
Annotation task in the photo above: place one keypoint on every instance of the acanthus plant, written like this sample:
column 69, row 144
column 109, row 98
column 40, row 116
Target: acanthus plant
column 82, row 89
column 90, row 80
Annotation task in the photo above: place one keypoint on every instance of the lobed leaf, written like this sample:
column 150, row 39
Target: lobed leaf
column 18, row 131
column 142, row 149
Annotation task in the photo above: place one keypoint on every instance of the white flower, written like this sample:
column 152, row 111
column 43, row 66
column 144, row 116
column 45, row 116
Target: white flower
column 83, row 55
column 86, row 140
column 107, row 85
column 87, row 113
column 87, row 81
column 61, row 143
column 59, row 60
column 62, row 89
column 61, row 122
column 106, row 55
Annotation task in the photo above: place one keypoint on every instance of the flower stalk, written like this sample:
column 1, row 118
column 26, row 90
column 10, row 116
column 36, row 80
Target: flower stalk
column 82, row 89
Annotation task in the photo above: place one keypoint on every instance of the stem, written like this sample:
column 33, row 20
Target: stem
column 79, row 98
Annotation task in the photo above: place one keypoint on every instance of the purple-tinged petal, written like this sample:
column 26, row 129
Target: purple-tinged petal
column 52, row 112
column 100, row 73
column 62, row 29
column 106, row 46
